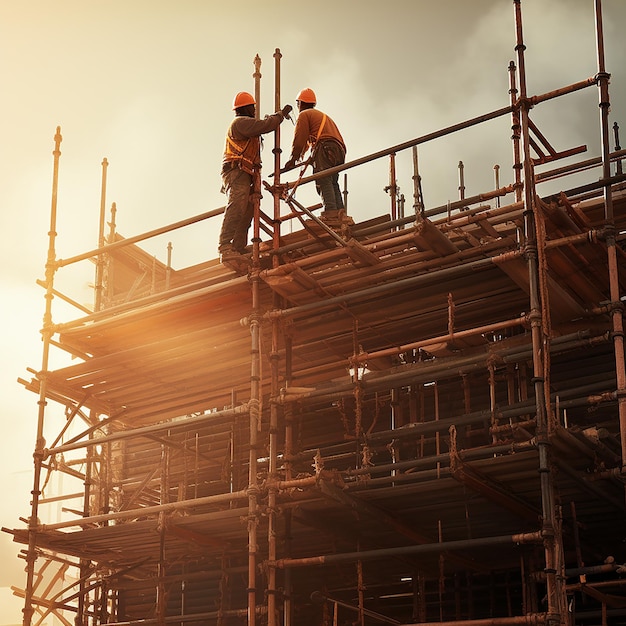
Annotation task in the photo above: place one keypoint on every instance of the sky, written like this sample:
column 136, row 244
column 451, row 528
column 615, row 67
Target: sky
column 148, row 85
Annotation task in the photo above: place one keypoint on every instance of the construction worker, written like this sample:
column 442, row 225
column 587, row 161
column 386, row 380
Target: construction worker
column 318, row 131
column 241, row 171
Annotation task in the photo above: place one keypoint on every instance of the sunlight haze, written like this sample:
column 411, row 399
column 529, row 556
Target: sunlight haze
column 148, row 85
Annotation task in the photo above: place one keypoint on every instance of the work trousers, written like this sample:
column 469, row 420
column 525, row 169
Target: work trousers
column 329, row 153
column 238, row 187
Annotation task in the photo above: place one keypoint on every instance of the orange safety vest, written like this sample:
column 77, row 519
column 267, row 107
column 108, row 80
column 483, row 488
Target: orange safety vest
column 243, row 154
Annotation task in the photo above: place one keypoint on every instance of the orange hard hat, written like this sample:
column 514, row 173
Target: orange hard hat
column 242, row 99
column 307, row 95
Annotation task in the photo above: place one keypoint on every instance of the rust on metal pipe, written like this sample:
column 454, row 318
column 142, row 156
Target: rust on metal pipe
column 581, row 166
column 425, row 344
column 393, row 186
column 418, row 199
column 617, row 148
column 617, row 307
column 538, row 324
column 257, row 85
column 461, row 168
column 583, row 84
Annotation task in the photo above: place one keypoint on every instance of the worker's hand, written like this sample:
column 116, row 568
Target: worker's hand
column 289, row 165
column 286, row 110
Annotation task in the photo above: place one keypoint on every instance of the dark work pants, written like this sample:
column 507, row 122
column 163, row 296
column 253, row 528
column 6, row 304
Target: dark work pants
column 329, row 153
column 239, row 209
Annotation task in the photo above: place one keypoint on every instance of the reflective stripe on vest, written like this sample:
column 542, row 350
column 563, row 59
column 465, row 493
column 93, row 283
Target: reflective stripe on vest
column 244, row 156
column 319, row 132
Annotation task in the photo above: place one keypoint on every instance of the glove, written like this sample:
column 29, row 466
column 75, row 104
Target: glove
column 286, row 110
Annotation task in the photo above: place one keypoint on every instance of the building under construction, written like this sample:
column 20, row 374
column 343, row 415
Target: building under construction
column 419, row 418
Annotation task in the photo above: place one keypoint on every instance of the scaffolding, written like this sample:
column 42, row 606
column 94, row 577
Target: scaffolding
column 414, row 419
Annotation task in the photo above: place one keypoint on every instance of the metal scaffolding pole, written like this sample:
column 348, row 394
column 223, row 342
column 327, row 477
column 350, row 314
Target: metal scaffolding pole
column 47, row 332
column 617, row 307
column 537, row 315
column 255, row 390
column 272, row 512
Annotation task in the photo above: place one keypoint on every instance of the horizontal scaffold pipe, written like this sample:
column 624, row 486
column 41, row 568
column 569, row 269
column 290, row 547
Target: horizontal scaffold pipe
column 595, row 186
column 445, row 209
column 433, row 276
column 588, row 486
column 407, row 144
column 172, row 296
column 424, row 345
column 142, row 512
column 428, row 548
column 131, row 240
column 481, row 197
column 404, row 283
column 380, row 233
column 604, row 568
column 556, row 93
column 449, row 130
column 534, row 618
column 496, row 215
column 507, row 412
column 471, row 454
column 437, row 461
column 426, row 371
column 577, row 167
column 192, row 617
column 144, row 431
column 520, row 620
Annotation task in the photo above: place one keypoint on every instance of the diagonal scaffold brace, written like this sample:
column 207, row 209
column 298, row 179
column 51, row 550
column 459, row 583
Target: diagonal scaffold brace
column 355, row 250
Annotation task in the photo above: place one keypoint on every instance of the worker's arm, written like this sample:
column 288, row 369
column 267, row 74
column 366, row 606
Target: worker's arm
column 251, row 127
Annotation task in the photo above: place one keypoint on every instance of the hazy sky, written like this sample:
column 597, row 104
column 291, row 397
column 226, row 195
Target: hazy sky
column 148, row 84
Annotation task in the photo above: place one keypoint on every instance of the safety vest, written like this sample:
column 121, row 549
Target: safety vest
column 242, row 153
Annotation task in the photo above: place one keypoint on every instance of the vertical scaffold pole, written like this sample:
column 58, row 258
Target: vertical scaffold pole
column 257, row 85
column 40, row 444
column 617, row 308
column 100, row 260
column 277, row 153
column 418, row 201
column 255, row 383
column 515, row 133
column 393, row 187
column 272, row 590
column 551, row 536
column 288, row 413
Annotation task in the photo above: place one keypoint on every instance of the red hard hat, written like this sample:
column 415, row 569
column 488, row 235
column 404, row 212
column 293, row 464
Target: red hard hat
column 307, row 95
column 242, row 99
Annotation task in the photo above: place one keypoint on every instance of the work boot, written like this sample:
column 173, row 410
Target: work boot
column 330, row 215
column 227, row 252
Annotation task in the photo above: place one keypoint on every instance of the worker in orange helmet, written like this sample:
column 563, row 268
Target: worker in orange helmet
column 241, row 170
column 318, row 131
